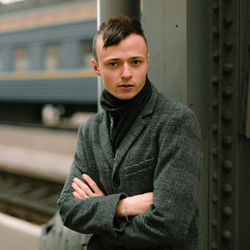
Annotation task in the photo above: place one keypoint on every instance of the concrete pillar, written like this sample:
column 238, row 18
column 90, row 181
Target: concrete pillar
column 167, row 39
column 178, row 41
column 111, row 8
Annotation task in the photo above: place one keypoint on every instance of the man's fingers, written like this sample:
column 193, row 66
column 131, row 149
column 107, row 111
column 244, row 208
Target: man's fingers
column 86, row 190
column 92, row 184
column 77, row 195
column 82, row 189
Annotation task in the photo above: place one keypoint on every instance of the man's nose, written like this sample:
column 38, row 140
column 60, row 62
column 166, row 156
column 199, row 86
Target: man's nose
column 126, row 72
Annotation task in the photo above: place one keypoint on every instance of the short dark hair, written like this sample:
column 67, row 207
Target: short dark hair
column 114, row 30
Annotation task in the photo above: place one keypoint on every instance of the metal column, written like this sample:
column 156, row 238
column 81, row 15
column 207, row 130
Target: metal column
column 111, row 8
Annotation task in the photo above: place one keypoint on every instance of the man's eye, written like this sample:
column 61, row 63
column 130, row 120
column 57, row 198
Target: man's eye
column 136, row 62
column 113, row 64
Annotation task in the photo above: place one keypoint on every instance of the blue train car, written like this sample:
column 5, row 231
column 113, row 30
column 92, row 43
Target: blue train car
column 47, row 64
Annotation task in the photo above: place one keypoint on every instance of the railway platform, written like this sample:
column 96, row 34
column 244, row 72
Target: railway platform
column 42, row 155
column 40, row 152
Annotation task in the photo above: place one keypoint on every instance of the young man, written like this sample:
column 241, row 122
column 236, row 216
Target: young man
column 135, row 177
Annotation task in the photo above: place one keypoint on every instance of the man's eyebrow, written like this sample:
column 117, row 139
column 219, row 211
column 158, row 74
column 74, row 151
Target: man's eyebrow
column 136, row 57
column 118, row 59
column 112, row 59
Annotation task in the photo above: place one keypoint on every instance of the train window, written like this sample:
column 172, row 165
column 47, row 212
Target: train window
column 52, row 57
column 86, row 54
column 21, row 59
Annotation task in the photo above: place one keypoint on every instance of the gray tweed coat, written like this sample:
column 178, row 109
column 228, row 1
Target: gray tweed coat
column 160, row 153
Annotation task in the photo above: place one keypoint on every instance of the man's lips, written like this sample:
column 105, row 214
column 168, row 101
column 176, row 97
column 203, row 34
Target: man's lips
column 126, row 85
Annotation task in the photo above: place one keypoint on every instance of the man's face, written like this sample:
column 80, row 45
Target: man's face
column 123, row 67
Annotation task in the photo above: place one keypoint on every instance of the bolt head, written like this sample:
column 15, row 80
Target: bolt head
column 228, row 68
column 215, row 127
column 227, row 211
column 226, row 235
column 215, row 103
column 213, row 223
column 227, row 115
column 215, row 151
column 227, row 165
column 227, row 92
column 214, row 246
column 215, row 198
column 228, row 43
column 215, row 31
column 227, row 141
column 215, row 79
column 227, row 188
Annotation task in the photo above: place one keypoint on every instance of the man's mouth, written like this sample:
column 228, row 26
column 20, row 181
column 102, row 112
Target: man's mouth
column 126, row 85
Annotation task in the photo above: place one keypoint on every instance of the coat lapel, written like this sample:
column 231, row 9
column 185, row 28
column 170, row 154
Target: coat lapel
column 105, row 140
column 128, row 140
column 135, row 130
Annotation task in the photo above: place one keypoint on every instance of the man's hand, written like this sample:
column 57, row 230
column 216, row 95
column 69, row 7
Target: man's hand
column 134, row 205
column 83, row 191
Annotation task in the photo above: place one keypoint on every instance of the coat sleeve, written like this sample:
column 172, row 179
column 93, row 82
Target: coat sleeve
column 173, row 217
column 92, row 215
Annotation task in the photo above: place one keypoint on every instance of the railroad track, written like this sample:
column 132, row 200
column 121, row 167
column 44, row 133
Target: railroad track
column 28, row 198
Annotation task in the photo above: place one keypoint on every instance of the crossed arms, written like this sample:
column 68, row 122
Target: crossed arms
column 133, row 205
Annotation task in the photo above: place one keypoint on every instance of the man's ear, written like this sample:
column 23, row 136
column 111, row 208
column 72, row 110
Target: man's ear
column 95, row 66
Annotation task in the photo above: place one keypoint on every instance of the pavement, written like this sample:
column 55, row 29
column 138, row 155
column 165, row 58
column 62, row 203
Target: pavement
column 18, row 234
column 46, row 153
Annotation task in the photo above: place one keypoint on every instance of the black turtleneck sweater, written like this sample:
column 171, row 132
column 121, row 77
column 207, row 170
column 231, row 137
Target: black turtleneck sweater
column 122, row 113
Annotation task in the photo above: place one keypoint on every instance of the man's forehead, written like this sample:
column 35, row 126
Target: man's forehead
column 128, row 41
column 100, row 41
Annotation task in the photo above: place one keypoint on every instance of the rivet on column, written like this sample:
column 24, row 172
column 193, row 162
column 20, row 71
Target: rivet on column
column 227, row 211
column 227, row 141
column 215, row 6
column 227, row 165
column 215, row 151
column 228, row 20
column 227, row 92
column 215, row 103
column 228, row 68
column 215, row 198
column 215, row 54
column 213, row 223
column 226, row 235
column 227, row 115
column 215, row 31
column 215, row 79
column 228, row 43
column 215, row 128
column 214, row 246
column 227, row 188
column 215, row 176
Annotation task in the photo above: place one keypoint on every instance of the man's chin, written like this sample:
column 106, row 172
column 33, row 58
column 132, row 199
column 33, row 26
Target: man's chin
column 126, row 96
